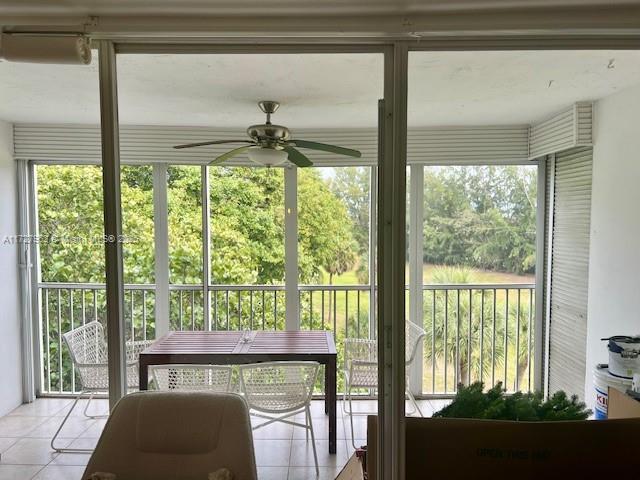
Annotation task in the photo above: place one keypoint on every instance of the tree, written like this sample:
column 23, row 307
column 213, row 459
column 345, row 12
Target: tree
column 481, row 217
column 352, row 186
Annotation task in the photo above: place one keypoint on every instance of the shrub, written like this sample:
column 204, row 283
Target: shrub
column 494, row 404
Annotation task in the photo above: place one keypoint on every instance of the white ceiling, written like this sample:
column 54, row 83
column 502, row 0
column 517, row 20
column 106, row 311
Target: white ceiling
column 323, row 91
column 275, row 7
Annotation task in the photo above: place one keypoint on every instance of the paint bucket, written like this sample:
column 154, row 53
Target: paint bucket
column 602, row 380
column 624, row 355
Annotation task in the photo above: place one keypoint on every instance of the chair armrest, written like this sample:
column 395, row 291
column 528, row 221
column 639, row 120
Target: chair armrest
column 363, row 363
column 135, row 348
column 360, row 341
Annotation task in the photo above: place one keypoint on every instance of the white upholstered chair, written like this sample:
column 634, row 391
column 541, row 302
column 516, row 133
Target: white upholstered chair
column 159, row 435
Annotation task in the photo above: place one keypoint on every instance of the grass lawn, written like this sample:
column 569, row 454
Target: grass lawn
column 477, row 275
column 351, row 278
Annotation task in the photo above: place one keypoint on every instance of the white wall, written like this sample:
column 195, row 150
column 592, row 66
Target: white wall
column 614, row 267
column 10, row 350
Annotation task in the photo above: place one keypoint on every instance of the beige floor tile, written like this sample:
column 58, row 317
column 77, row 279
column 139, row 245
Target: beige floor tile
column 273, row 473
column 18, row 426
column 95, row 430
column 42, row 407
column 60, row 472
column 73, row 427
column 272, row 453
column 359, row 427
column 309, row 473
column 320, row 428
column 18, row 472
column 30, row 451
column 302, row 454
column 97, row 407
column 7, row 442
column 275, row 431
column 72, row 459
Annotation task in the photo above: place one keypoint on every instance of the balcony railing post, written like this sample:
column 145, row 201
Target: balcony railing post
column 292, row 306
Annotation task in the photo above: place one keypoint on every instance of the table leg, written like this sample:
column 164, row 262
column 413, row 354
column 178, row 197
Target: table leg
column 331, row 387
column 143, row 374
column 326, row 395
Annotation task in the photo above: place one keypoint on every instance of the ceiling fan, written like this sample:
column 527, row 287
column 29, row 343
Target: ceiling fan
column 272, row 145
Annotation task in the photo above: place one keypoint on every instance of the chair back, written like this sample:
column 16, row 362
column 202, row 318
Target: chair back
column 278, row 387
column 88, row 348
column 360, row 349
column 192, row 378
column 170, row 435
column 87, row 344
column 414, row 335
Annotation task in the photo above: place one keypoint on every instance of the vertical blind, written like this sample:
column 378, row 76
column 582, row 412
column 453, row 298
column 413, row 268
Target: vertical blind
column 570, row 270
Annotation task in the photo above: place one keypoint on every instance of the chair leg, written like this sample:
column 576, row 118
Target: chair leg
column 313, row 438
column 307, row 421
column 86, row 409
column 415, row 404
column 347, row 386
column 353, row 439
column 55, row 436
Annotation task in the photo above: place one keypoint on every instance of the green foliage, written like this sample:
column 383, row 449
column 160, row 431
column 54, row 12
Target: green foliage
column 482, row 217
column 246, row 224
column 460, row 330
column 473, row 402
column 351, row 185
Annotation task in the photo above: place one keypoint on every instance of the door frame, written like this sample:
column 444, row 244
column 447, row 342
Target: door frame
column 391, row 179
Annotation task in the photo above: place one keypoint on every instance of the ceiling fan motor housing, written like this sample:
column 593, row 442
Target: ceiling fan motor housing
column 269, row 135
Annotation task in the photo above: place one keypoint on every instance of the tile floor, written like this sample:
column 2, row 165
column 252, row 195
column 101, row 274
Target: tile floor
column 281, row 450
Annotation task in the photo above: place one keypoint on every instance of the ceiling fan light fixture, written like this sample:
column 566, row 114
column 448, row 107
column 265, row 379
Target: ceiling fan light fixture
column 269, row 157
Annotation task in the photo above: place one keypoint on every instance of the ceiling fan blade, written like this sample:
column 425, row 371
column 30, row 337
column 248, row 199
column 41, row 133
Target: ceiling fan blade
column 325, row 147
column 230, row 154
column 212, row 142
column 296, row 157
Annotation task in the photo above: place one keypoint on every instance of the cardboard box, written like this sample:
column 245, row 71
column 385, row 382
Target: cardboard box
column 621, row 405
column 441, row 448
column 352, row 470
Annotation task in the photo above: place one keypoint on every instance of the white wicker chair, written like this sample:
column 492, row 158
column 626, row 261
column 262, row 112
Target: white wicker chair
column 192, row 378
column 88, row 347
column 361, row 368
column 277, row 391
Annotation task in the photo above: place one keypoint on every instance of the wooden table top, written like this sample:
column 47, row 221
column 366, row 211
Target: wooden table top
column 260, row 343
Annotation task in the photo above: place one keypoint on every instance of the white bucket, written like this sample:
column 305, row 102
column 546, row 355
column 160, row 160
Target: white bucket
column 624, row 355
column 602, row 380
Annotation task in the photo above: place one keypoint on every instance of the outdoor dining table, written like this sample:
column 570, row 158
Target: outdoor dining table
column 233, row 348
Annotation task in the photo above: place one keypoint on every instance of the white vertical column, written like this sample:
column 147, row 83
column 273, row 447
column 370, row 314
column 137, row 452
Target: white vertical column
column 112, row 221
column 36, row 300
column 373, row 228
column 161, row 252
column 416, row 314
column 26, row 293
column 292, row 306
column 391, row 265
column 206, row 247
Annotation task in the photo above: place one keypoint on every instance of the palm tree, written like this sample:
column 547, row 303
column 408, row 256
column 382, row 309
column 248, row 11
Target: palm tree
column 460, row 336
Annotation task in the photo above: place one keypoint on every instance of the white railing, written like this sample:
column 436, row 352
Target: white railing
column 467, row 337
